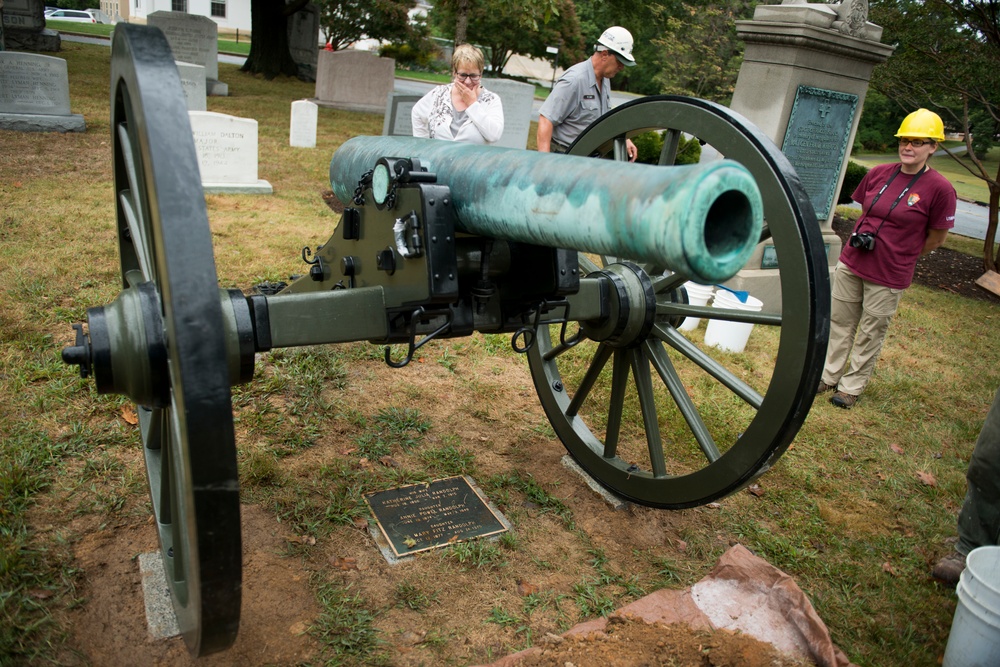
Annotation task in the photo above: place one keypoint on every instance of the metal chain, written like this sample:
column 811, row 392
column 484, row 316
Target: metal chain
column 359, row 196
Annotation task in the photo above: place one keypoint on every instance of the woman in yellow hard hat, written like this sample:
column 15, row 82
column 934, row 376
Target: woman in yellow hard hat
column 907, row 210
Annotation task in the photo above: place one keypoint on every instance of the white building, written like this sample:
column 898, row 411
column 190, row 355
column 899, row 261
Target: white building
column 230, row 15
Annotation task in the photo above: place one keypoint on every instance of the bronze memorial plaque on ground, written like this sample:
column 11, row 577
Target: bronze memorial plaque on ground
column 419, row 517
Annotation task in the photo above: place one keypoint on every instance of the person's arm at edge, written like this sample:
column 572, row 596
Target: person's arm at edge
column 420, row 117
column 935, row 237
column 543, row 137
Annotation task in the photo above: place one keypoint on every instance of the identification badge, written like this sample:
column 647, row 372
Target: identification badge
column 588, row 97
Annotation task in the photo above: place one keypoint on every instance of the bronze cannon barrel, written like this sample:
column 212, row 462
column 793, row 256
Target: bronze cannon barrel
column 699, row 220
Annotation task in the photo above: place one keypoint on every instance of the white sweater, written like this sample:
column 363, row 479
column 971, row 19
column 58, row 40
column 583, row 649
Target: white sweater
column 433, row 113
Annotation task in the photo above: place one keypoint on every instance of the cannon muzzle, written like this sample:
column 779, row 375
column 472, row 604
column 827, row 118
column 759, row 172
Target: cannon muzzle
column 699, row 220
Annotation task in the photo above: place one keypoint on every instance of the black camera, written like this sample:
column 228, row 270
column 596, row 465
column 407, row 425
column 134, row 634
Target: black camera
column 863, row 241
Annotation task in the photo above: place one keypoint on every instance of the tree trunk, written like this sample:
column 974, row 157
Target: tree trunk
column 461, row 21
column 269, row 53
column 991, row 259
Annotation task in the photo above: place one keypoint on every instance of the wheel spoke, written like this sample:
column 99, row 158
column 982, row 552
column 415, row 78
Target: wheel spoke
column 616, row 404
column 621, row 149
column 667, row 283
column 131, row 202
column 587, row 265
column 647, row 405
column 601, row 356
column 668, row 154
column 711, row 312
column 674, row 339
column 667, row 372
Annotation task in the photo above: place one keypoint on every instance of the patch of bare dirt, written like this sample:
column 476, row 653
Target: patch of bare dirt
column 110, row 627
column 627, row 642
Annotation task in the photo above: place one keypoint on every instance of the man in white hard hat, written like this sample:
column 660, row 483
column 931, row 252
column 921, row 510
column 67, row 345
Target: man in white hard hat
column 583, row 93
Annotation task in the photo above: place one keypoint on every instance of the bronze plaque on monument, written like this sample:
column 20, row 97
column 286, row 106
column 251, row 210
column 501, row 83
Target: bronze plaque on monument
column 816, row 141
column 419, row 517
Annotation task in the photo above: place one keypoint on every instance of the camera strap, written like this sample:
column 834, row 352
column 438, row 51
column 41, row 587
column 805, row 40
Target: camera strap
column 909, row 186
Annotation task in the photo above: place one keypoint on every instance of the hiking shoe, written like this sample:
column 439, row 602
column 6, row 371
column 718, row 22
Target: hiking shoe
column 824, row 387
column 844, row 400
column 949, row 568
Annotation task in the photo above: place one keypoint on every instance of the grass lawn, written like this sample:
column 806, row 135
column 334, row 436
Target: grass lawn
column 856, row 511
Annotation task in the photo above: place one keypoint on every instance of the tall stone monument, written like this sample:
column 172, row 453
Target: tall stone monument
column 23, row 27
column 803, row 82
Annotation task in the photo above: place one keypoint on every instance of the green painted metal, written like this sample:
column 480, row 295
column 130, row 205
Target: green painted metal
column 699, row 220
column 709, row 424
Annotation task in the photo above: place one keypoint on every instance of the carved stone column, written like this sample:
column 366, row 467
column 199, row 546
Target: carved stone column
column 803, row 81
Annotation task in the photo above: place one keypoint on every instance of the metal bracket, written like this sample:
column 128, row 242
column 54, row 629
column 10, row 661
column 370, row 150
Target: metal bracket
column 413, row 346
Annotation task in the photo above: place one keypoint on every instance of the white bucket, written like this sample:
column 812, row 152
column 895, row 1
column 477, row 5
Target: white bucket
column 698, row 295
column 731, row 336
column 975, row 630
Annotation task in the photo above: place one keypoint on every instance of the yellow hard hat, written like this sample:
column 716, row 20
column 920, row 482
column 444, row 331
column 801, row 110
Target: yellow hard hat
column 922, row 123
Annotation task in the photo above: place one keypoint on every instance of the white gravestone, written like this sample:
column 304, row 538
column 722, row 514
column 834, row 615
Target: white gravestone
column 193, row 39
column 354, row 80
column 302, row 132
column 34, row 94
column 517, row 98
column 227, row 153
column 398, row 120
column 193, row 83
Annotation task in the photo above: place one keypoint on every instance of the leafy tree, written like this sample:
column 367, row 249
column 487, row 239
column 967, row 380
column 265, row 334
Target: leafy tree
column 346, row 21
column 700, row 52
column 877, row 125
column 503, row 28
column 948, row 60
column 645, row 21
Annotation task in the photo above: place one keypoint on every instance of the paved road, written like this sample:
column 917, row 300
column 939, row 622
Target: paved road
column 970, row 218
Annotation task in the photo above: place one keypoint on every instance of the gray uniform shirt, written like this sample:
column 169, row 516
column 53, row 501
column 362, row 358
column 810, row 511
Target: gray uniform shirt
column 576, row 102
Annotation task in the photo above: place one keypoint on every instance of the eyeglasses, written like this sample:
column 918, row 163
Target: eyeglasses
column 471, row 77
column 916, row 143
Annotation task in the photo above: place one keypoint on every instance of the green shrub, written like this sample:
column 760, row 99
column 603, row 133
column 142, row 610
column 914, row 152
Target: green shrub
column 649, row 144
column 852, row 177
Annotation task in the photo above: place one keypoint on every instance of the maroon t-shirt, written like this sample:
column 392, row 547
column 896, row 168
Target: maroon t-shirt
column 929, row 204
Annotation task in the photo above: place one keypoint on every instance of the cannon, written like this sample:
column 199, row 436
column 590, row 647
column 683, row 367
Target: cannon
column 581, row 261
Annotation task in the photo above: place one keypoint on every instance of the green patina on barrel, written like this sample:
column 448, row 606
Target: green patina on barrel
column 699, row 220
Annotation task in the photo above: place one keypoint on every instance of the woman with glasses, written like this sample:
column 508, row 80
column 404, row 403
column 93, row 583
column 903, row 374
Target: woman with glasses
column 462, row 110
column 907, row 209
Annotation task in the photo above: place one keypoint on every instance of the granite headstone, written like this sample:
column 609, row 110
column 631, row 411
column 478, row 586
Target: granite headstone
column 227, row 153
column 398, row 108
column 354, row 80
column 517, row 98
column 34, row 94
column 193, row 39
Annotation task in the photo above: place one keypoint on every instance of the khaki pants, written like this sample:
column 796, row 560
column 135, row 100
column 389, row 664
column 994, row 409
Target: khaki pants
column 859, row 318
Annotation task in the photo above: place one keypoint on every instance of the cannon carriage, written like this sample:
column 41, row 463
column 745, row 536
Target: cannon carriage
column 581, row 261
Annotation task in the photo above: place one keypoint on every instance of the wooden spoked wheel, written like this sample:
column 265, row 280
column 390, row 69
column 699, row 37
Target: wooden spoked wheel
column 652, row 413
column 166, row 256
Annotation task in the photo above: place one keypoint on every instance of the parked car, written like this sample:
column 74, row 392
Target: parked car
column 74, row 15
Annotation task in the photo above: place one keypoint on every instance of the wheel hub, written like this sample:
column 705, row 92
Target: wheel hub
column 632, row 305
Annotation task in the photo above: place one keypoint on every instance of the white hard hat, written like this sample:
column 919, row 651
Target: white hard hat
column 618, row 40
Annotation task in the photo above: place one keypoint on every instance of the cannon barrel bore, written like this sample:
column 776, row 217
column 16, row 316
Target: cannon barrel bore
column 699, row 220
